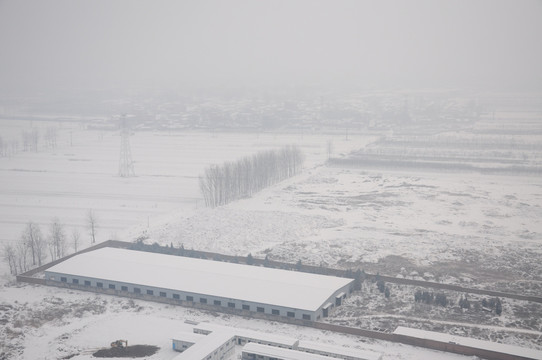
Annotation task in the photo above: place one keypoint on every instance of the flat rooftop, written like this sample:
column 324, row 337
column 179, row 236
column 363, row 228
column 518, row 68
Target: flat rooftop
column 205, row 346
column 284, row 288
column 475, row 343
column 264, row 337
column 351, row 353
column 280, row 353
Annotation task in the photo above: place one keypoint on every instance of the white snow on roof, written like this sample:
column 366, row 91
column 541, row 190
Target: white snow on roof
column 206, row 346
column 339, row 350
column 188, row 337
column 291, row 289
column 475, row 343
column 280, row 353
column 264, row 337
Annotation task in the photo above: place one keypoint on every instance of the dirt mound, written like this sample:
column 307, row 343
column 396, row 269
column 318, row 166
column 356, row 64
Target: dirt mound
column 134, row 351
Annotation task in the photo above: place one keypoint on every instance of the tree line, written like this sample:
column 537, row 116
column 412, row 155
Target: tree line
column 33, row 248
column 222, row 184
column 30, row 141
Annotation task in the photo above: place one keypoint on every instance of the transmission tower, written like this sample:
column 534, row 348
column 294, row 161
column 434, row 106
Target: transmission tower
column 126, row 165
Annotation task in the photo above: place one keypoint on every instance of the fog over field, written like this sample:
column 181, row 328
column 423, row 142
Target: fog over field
column 399, row 138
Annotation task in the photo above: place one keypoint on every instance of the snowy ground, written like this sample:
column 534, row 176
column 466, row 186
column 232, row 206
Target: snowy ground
column 461, row 229
column 471, row 229
column 53, row 324
column 80, row 173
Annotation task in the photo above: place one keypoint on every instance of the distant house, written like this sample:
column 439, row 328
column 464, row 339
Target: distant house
column 229, row 286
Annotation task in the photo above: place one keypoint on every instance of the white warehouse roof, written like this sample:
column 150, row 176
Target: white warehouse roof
column 278, row 287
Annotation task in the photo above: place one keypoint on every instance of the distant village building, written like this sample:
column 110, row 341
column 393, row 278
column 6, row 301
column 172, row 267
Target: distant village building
column 206, row 283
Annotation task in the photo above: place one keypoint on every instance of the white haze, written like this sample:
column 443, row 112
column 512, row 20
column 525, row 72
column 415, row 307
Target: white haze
column 50, row 46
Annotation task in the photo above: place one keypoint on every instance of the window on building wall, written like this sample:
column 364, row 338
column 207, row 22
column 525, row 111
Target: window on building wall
column 100, row 284
column 75, row 281
column 112, row 286
column 260, row 309
column 137, row 290
column 63, row 279
column 306, row 317
column 275, row 312
column 246, row 307
column 87, row 283
column 176, row 296
column 217, row 302
column 150, row 292
column 189, row 298
column 290, row 314
column 203, row 300
column 162, row 294
column 124, row 288
column 231, row 305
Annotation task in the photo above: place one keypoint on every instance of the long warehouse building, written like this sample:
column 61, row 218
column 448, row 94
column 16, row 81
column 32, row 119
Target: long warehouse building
column 244, row 287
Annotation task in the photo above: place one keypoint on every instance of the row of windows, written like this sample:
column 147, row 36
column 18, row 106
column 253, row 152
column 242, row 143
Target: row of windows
column 202, row 300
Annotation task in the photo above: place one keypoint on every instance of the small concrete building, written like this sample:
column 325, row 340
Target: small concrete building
column 269, row 291
column 183, row 341
column 244, row 336
column 258, row 345
column 216, row 346
column 511, row 350
column 253, row 351
column 339, row 352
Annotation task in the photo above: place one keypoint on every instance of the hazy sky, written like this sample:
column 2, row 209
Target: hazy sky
column 121, row 44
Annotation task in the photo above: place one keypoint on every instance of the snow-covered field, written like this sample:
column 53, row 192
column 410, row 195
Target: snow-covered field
column 466, row 228
column 54, row 324
column 81, row 173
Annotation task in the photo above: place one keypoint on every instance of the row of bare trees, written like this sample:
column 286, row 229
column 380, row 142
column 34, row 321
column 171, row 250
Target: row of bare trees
column 30, row 141
column 221, row 184
column 33, row 247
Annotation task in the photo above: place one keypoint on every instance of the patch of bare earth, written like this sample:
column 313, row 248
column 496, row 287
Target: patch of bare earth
column 132, row 351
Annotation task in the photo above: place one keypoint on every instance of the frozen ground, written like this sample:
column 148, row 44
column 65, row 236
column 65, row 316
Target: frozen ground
column 55, row 324
column 465, row 229
column 80, row 173
column 472, row 229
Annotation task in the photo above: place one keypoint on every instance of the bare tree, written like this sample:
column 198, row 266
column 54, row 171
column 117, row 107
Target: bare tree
column 4, row 147
column 50, row 136
column 57, row 240
column 234, row 180
column 76, row 235
column 9, row 253
column 14, row 147
column 21, row 251
column 34, row 139
column 329, row 148
column 33, row 239
column 26, row 137
column 92, row 224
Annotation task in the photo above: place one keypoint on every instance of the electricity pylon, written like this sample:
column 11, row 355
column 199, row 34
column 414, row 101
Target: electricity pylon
column 126, row 165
